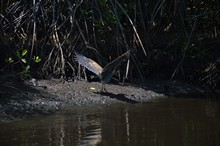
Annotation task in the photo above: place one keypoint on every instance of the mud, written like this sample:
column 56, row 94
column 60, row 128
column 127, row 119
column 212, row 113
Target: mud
column 19, row 100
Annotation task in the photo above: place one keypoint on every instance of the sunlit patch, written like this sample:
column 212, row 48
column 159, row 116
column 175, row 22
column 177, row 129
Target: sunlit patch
column 92, row 89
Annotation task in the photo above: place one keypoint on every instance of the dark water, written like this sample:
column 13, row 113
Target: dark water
column 170, row 122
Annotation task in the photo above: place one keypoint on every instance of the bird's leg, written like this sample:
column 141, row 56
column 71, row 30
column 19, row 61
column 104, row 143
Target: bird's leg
column 103, row 88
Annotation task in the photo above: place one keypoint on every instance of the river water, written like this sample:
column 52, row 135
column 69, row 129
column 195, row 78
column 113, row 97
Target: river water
column 169, row 122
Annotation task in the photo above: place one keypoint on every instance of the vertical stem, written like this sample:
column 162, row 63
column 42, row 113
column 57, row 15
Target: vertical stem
column 34, row 33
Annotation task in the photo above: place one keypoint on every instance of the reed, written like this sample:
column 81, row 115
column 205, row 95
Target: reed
column 40, row 37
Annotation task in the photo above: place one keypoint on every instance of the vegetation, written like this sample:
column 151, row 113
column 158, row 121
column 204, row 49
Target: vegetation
column 168, row 39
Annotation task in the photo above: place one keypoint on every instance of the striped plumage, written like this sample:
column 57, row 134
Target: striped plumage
column 105, row 73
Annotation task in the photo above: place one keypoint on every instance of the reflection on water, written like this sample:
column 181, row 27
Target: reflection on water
column 190, row 122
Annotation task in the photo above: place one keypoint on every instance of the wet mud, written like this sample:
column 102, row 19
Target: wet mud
column 19, row 100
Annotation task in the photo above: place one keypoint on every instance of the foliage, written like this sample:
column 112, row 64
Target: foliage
column 164, row 36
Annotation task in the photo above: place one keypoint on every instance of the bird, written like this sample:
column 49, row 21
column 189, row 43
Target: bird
column 105, row 74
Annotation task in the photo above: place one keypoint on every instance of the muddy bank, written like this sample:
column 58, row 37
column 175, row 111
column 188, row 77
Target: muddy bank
column 20, row 99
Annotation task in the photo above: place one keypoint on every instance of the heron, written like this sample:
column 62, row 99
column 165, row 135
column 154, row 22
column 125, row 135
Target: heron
column 105, row 74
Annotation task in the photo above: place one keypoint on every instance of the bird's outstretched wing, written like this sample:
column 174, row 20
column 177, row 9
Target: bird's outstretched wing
column 112, row 65
column 89, row 64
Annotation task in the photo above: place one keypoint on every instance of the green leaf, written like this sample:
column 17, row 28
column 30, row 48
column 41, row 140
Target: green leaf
column 27, row 68
column 18, row 54
column 37, row 59
column 24, row 52
column 24, row 60
column 10, row 60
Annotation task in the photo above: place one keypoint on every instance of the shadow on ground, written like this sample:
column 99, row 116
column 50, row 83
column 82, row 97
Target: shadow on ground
column 120, row 97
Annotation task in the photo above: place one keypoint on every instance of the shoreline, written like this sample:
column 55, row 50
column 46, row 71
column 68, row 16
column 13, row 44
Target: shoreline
column 21, row 100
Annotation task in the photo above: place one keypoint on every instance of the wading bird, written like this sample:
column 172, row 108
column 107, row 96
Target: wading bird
column 105, row 73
